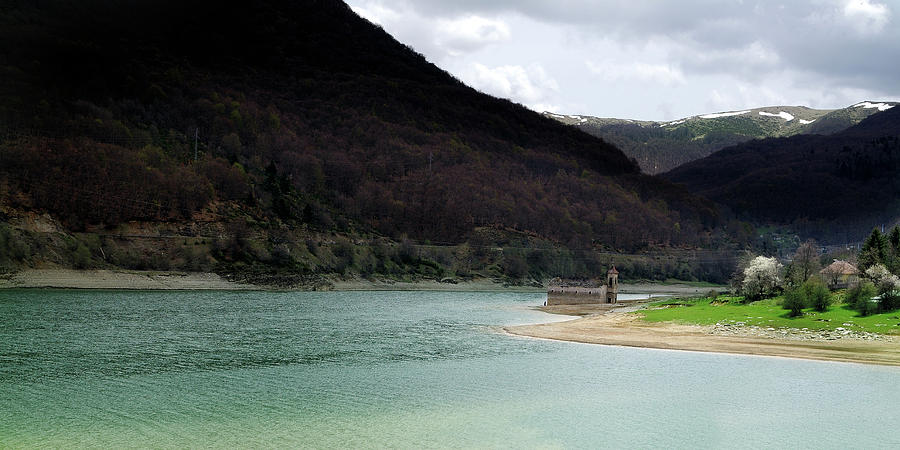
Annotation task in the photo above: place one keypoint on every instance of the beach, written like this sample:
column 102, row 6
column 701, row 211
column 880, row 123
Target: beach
column 627, row 329
column 119, row 279
column 599, row 324
column 176, row 280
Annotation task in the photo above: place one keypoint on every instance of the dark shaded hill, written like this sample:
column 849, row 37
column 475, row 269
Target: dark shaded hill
column 662, row 146
column 834, row 188
column 294, row 116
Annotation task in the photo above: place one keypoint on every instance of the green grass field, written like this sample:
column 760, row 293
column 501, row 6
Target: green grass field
column 768, row 313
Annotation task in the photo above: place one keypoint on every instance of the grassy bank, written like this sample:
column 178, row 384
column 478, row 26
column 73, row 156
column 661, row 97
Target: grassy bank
column 768, row 313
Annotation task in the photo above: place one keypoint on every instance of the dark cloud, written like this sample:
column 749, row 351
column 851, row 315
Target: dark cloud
column 658, row 59
column 851, row 41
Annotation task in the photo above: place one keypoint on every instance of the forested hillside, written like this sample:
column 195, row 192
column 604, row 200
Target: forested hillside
column 835, row 188
column 662, row 146
column 284, row 121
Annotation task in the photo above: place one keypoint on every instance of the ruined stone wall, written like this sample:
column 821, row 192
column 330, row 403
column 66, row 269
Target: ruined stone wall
column 576, row 296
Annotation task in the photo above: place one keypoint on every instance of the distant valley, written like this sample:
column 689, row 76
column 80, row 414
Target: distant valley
column 662, row 146
column 834, row 188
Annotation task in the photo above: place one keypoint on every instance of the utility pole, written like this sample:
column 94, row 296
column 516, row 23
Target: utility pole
column 430, row 154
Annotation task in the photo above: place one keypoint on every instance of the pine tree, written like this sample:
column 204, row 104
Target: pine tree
column 874, row 250
column 893, row 248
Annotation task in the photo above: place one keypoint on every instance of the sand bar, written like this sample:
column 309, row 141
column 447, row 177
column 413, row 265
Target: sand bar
column 627, row 329
column 118, row 279
column 174, row 280
column 169, row 280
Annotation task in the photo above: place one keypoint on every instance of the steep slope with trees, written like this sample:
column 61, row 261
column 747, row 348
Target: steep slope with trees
column 661, row 146
column 834, row 188
column 278, row 118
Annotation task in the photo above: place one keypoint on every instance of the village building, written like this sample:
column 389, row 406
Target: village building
column 840, row 274
column 607, row 293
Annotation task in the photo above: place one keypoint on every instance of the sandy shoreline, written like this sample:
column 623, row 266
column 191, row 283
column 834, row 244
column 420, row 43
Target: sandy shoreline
column 618, row 328
column 480, row 285
column 172, row 280
column 118, row 279
column 599, row 326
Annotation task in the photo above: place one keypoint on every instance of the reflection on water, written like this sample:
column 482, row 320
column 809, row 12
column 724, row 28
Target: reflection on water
column 408, row 369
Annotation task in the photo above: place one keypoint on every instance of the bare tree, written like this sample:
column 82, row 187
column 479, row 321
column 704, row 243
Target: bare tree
column 832, row 275
column 806, row 262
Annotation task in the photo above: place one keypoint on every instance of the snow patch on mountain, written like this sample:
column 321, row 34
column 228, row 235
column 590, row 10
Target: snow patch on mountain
column 784, row 115
column 868, row 105
column 724, row 114
column 677, row 122
column 807, row 122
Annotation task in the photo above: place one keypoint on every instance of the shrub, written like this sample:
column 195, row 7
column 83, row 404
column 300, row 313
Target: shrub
column 515, row 266
column 886, row 285
column 794, row 301
column 866, row 307
column 817, row 295
column 344, row 254
column 408, row 253
column 859, row 297
column 312, row 247
column 888, row 300
column 81, row 256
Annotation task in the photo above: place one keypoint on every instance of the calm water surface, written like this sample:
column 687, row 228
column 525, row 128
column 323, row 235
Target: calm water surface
column 395, row 369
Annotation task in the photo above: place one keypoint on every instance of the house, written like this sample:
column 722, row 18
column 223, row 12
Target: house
column 840, row 274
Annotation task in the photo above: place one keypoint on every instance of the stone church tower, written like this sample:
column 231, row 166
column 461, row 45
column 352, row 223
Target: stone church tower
column 612, row 285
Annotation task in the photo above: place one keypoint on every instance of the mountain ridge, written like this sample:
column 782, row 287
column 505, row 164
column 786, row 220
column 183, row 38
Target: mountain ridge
column 274, row 136
column 832, row 187
column 662, row 146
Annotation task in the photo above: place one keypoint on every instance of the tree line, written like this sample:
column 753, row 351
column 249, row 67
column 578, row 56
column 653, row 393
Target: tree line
column 873, row 287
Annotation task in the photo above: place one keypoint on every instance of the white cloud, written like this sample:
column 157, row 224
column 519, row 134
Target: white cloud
column 664, row 74
column 376, row 13
column 689, row 56
column 750, row 60
column 439, row 38
column 730, row 95
column 529, row 85
column 867, row 17
column 470, row 33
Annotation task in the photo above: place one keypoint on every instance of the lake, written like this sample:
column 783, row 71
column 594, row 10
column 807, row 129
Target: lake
column 395, row 369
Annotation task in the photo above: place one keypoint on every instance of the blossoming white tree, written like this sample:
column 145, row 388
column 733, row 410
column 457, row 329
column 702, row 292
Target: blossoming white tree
column 761, row 277
column 882, row 277
column 887, row 284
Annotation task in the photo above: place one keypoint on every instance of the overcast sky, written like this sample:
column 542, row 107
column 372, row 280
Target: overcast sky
column 656, row 60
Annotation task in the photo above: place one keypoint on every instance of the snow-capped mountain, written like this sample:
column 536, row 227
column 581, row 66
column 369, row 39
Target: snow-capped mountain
column 662, row 146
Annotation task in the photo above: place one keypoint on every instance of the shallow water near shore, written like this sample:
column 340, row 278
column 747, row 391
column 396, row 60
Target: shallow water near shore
column 402, row 369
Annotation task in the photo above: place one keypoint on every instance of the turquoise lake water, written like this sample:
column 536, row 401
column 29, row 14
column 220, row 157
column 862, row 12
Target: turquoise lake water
column 395, row 369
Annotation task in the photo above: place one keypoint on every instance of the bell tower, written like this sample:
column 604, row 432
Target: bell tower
column 612, row 285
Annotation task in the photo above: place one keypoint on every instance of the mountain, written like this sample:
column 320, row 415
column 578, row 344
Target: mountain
column 251, row 136
column 662, row 146
column 831, row 187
